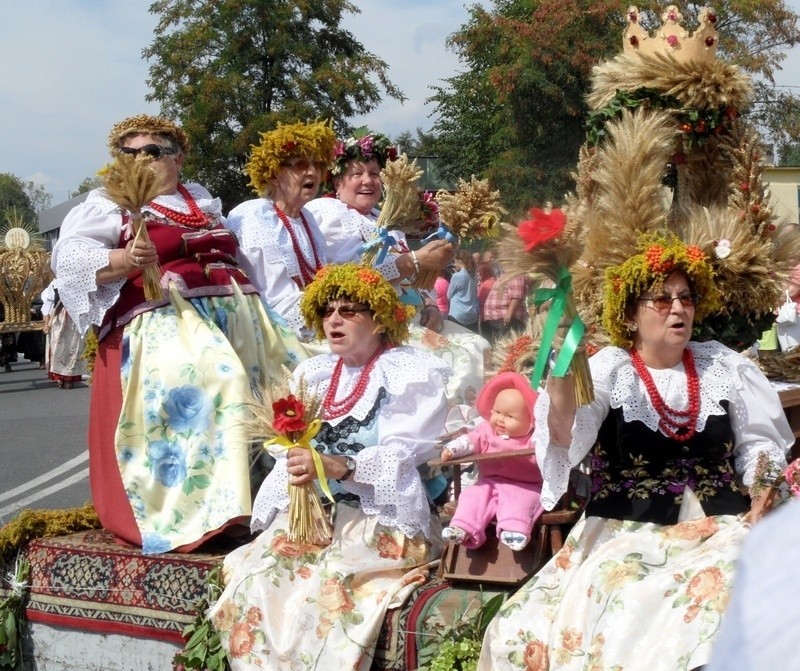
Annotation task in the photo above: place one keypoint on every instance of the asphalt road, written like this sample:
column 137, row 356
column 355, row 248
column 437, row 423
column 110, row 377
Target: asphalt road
column 43, row 458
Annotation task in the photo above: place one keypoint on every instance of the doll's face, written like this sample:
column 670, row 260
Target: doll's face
column 510, row 416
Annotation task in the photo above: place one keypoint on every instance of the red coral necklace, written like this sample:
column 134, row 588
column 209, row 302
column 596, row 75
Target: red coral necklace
column 307, row 271
column 196, row 217
column 331, row 408
column 679, row 425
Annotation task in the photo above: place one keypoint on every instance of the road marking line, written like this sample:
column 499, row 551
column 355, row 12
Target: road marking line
column 14, row 507
column 66, row 466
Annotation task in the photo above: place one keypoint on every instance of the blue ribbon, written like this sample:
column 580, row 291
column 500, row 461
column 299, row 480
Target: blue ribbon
column 383, row 238
column 442, row 233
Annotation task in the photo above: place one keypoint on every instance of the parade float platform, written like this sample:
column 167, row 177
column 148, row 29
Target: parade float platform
column 95, row 605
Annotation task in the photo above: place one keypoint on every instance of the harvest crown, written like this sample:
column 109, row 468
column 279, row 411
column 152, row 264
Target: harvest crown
column 671, row 37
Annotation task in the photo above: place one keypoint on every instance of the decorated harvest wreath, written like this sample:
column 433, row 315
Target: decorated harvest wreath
column 144, row 124
column 362, row 146
column 663, row 253
column 361, row 284
column 313, row 141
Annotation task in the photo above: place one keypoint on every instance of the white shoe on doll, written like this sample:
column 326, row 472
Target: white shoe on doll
column 516, row 541
column 454, row 535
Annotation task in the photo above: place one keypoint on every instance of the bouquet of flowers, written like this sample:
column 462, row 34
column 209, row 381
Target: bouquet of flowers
column 546, row 245
column 288, row 421
column 400, row 207
column 780, row 486
column 131, row 184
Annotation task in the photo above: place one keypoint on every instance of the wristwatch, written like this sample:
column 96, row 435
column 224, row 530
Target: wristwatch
column 350, row 463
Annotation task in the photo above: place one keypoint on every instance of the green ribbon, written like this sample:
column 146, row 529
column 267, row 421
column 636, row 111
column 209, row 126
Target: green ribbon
column 559, row 296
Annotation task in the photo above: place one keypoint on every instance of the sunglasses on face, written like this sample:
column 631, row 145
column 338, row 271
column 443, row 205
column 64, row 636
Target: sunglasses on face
column 154, row 151
column 303, row 164
column 664, row 302
column 345, row 311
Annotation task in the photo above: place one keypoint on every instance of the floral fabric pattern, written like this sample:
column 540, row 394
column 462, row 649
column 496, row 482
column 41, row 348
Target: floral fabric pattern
column 334, row 598
column 181, row 450
column 584, row 609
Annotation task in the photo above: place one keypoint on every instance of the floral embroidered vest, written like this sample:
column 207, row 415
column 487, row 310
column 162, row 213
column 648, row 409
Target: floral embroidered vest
column 639, row 474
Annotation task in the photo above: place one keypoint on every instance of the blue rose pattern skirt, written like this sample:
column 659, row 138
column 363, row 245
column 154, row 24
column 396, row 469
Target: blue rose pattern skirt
column 187, row 371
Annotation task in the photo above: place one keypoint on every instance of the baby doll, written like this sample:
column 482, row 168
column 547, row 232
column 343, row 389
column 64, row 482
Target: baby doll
column 507, row 489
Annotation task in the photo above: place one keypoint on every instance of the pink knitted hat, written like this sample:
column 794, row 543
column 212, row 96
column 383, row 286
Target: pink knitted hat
column 491, row 389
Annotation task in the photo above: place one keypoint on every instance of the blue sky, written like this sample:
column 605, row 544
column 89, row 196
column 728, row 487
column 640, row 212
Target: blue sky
column 69, row 69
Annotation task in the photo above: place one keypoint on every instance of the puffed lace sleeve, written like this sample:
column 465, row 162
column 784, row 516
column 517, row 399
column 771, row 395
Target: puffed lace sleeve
column 556, row 461
column 345, row 231
column 386, row 477
column 757, row 417
column 88, row 234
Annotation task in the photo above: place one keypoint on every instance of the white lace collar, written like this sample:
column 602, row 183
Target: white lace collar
column 395, row 371
column 716, row 366
column 99, row 198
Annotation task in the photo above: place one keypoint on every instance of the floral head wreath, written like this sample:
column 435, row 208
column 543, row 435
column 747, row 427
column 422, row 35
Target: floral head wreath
column 314, row 141
column 361, row 284
column 362, row 146
column 144, row 124
column 663, row 253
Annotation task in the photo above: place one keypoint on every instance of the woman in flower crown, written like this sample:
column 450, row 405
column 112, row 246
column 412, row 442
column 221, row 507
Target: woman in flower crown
column 348, row 220
column 279, row 236
column 289, row 605
column 168, row 461
column 674, row 436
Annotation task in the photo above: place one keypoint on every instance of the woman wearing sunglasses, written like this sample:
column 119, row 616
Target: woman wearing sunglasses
column 169, row 464
column 675, row 435
column 291, row 605
column 279, row 237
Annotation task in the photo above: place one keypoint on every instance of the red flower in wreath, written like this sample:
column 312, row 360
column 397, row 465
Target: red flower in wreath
column 288, row 413
column 541, row 227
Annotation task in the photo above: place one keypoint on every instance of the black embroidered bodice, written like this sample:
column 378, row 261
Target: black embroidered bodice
column 640, row 474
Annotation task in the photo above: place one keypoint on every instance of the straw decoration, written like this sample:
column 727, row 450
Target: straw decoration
column 131, row 184
column 281, row 419
column 400, row 208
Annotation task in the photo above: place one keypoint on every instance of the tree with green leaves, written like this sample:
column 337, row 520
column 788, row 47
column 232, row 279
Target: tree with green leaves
column 86, row 185
column 230, row 69
column 15, row 203
column 516, row 112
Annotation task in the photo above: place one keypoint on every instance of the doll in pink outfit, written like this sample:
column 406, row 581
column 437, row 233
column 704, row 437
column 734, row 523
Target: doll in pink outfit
column 507, row 489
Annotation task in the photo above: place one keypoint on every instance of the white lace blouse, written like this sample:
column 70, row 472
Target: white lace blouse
column 757, row 418
column 409, row 422
column 267, row 247
column 346, row 229
column 89, row 231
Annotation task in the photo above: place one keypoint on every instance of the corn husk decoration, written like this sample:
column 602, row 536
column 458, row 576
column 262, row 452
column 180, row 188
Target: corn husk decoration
column 400, row 208
column 283, row 420
column 131, row 184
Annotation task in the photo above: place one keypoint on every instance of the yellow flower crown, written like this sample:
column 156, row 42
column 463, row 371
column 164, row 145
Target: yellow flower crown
column 145, row 124
column 361, row 284
column 314, row 141
column 662, row 254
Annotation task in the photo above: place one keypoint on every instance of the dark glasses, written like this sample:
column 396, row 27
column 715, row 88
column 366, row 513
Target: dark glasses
column 154, row 151
column 664, row 302
column 303, row 164
column 345, row 311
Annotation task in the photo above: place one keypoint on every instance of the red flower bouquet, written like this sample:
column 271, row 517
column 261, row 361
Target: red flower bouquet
column 291, row 421
column 547, row 245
